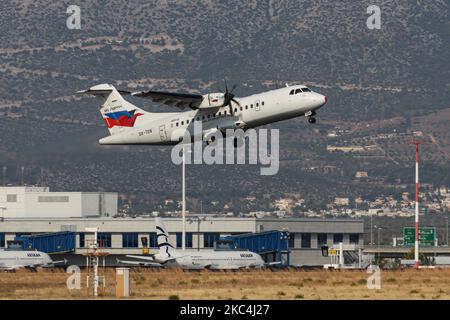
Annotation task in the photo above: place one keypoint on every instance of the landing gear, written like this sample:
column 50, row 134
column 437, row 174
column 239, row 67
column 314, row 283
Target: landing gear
column 211, row 140
column 310, row 115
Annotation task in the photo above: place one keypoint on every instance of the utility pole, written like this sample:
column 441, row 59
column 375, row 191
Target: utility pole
column 42, row 177
column 379, row 242
column 446, row 228
column 23, row 170
column 198, row 233
column 416, row 242
column 183, row 202
column 4, row 176
column 371, row 228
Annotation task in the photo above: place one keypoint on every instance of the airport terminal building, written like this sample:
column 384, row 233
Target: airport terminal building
column 121, row 236
column 36, row 210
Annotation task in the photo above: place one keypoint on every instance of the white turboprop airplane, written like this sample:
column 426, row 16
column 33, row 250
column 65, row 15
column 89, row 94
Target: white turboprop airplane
column 16, row 259
column 216, row 112
column 168, row 256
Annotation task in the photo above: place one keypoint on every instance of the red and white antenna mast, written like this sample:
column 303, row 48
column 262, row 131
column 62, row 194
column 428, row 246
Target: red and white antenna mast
column 416, row 242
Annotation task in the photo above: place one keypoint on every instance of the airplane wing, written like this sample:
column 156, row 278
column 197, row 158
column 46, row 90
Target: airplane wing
column 140, row 263
column 152, row 259
column 275, row 263
column 146, row 257
column 64, row 262
column 179, row 100
column 218, row 267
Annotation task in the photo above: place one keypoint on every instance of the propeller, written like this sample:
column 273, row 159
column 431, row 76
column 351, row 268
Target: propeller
column 229, row 97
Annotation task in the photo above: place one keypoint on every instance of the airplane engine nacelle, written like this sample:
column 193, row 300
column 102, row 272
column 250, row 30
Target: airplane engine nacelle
column 212, row 100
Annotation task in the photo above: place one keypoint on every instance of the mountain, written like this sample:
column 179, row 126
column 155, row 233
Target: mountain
column 382, row 85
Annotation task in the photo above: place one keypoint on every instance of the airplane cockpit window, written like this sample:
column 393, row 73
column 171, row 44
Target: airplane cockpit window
column 298, row 91
column 292, row 92
column 306, row 90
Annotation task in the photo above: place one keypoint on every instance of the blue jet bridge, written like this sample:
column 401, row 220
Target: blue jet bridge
column 273, row 246
column 56, row 242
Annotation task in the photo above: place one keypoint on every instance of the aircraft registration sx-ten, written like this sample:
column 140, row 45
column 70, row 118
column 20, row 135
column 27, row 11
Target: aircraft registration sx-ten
column 216, row 112
column 170, row 257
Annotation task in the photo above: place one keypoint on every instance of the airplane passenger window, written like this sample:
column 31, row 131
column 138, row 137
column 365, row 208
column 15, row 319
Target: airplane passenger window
column 251, row 106
column 262, row 103
column 182, row 123
column 246, row 107
column 298, row 91
column 220, row 113
column 187, row 121
column 177, row 124
column 306, row 90
column 225, row 113
column 257, row 104
column 235, row 109
column 241, row 108
column 292, row 92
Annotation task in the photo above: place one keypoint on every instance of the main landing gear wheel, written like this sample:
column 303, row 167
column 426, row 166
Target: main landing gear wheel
column 312, row 120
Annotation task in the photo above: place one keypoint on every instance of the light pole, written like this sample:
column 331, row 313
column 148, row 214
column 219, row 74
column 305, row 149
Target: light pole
column 199, row 220
column 371, row 228
column 446, row 228
column 416, row 237
column 183, row 202
column 23, row 171
column 379, row 239
column 4, row 175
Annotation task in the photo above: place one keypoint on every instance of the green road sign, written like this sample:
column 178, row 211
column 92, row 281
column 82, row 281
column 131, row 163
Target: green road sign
column 427, row 236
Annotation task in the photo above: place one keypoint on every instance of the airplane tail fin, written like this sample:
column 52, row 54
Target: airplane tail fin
column 118, row 114
column 162, row 238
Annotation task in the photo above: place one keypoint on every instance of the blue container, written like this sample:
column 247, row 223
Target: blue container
column 57, row 242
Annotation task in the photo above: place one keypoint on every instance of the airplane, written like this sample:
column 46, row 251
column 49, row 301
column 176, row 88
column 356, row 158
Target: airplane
column 15, row 259
column 169, row 257
column 217, row 112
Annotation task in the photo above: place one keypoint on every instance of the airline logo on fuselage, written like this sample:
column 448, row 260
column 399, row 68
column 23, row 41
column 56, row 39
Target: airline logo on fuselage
column 121, row 118
column 33, row 255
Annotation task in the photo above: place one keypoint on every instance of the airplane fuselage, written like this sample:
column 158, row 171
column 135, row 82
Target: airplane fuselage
column 215, row 260
column 255, row 110
column 22, row 259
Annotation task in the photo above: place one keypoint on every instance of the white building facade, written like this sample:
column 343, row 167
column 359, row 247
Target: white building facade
column 38, row 202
